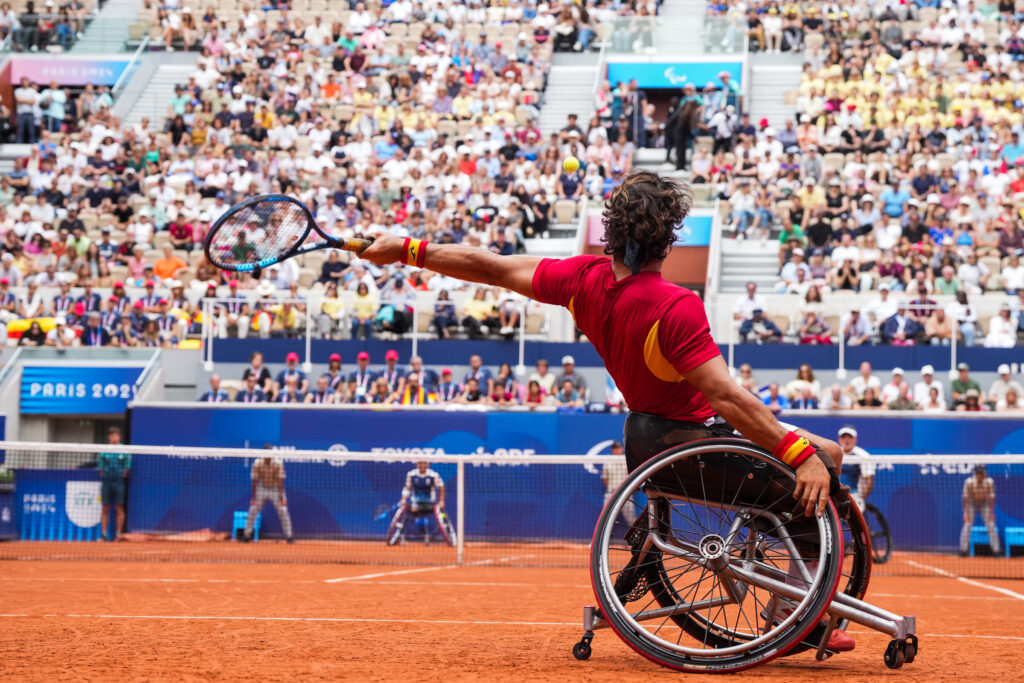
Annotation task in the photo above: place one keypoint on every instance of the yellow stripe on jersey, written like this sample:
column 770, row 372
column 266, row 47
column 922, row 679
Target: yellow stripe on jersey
column 655, row 359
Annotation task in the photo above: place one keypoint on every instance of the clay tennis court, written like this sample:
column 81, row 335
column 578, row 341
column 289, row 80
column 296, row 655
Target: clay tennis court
column 140, row 619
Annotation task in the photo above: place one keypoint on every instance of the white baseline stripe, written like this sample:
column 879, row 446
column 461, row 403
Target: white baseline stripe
column 454, row 622
column 942, row 635
column 495, row 584
column 969, row 582
column 185, row 617
column 944, row 597
column 400, row 572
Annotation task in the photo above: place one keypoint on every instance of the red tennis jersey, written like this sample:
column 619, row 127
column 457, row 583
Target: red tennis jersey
column 649, row 331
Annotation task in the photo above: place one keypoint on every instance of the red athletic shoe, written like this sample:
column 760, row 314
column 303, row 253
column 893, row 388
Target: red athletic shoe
column 840, row 642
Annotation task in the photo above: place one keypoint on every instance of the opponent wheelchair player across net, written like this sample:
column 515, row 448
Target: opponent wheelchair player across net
column 737, row 552
column 421, row 511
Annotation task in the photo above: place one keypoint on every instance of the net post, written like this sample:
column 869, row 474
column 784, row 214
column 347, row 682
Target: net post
column 211, row 333
column 732, row 348
column 954, row 328
column 521, row 368
column 460, row 501
column 841, row 370
column 307, row 365
column 415, row 329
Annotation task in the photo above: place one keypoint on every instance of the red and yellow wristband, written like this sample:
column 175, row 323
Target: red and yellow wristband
column 793, row 450
column 414, row 252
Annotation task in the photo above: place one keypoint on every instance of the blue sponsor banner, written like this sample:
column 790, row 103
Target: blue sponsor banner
column 675, row 74
column 77, row 390
column 424, row 432
column 694, row 232
column 335, row 498
column 57, row 505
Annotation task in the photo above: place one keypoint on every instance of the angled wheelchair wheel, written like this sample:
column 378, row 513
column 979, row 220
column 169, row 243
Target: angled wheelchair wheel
column 397, row 526
column 718, row 573
column 881, row 537
column 854, row 578
column 445, row 526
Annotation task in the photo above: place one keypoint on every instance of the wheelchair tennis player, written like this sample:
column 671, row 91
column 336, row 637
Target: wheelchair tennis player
column 422, row 500
column 653, row 335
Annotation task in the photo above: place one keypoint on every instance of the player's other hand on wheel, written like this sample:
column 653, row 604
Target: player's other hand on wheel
column 812, row 486
column 386, row 248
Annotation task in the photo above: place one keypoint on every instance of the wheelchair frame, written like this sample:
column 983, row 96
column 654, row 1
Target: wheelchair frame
column 737, row 573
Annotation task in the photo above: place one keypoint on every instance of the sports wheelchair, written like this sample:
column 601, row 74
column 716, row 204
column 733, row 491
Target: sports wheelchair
column 424, row 515
column 721, row 572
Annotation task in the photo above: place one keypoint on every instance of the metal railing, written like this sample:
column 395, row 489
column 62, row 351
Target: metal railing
column 133, row 66
column 309, row 326
column 841, row 312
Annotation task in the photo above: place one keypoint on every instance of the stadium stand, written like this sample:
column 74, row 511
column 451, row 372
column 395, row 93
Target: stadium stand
column 894, row 189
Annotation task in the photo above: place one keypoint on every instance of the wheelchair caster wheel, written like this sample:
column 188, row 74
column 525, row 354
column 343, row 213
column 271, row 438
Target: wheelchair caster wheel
column 895, row 654
column 910, row 649
column 581, row 650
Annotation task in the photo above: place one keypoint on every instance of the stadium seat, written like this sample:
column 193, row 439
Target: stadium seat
column 1014, row 536
column 979, row 536
column 240, row 518
column 565, row 210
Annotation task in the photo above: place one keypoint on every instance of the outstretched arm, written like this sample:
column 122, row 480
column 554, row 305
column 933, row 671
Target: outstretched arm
column 462, row 262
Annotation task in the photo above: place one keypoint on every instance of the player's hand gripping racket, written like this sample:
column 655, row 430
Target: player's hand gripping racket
column 268, row 229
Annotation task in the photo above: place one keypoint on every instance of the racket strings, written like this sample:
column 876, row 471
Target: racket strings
column 256, row 232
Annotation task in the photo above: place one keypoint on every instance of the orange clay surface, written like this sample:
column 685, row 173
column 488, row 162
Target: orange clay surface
column 144, row 620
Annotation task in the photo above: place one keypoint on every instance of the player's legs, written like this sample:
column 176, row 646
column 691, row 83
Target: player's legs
column 259, row 500
column 104, row 519
column 965, row 530
column 282, row 514
column 988, row 516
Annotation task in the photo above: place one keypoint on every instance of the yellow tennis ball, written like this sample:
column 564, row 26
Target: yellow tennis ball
column 571, row 164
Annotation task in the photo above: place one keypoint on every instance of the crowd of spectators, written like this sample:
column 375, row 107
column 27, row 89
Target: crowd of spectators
column 49, row 26
column 866, row 391
column 415, row 384
column 416, row 118
column 900, row 175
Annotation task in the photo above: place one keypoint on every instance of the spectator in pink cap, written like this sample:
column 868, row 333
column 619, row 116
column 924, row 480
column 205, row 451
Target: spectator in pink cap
column 391, row 374
column 363, row 377
column 335, row 377
column 291, row 369
column 448, row 389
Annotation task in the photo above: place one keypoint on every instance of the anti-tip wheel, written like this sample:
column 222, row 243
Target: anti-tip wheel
column 895, row 654
column 581, row 650
column 910, row 649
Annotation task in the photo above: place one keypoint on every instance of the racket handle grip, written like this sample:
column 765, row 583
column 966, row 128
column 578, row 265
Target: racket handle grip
column 356, row 245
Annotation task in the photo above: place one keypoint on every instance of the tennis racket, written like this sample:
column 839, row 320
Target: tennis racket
column 384, row 511
column 267, row 229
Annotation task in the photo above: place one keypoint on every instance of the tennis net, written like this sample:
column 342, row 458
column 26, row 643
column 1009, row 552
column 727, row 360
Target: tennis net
column 379, row 508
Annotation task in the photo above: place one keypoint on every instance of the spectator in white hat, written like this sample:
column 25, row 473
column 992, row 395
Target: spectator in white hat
column 997, row 392
column 896, row 389
column 927, row 383
column 569, row 373
column 61, row 335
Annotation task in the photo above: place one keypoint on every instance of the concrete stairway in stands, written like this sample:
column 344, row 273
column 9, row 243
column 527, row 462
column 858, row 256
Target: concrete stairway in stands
column 153, row 101
column 570, row 90
column 749, row 260
column 107, row 33
column 771, row 84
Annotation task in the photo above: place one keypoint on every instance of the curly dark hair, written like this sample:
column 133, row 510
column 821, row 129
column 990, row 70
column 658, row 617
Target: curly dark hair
column 646, row 208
